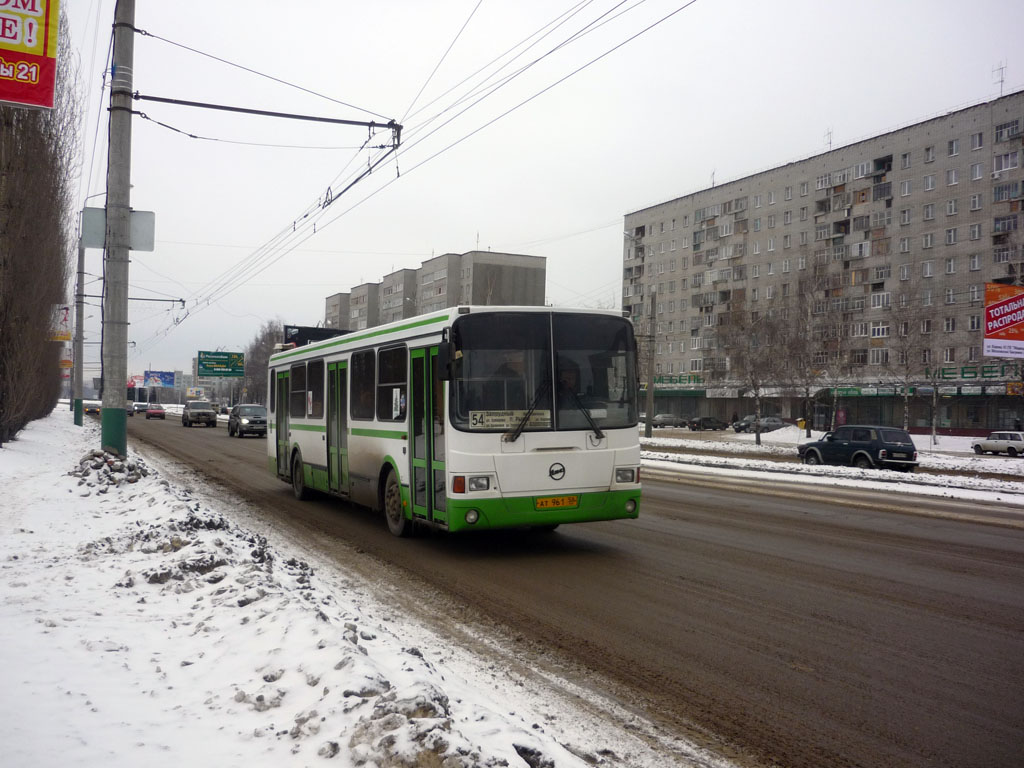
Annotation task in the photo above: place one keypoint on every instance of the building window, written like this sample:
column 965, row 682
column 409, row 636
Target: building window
column 926, row 326
column 789, row 193
column 905, row 216
column 974, row 262
column 929, row 211
column 949, row 355
column 905, row 160
column 1004, row 224
column 757, row 201
column 927, row 269
column 787, row 217
column 972, row 354
column 977, row 140
column 952, row 177
column 951, row 236
column 950, row 296
column 803, row 188
column 929, row 154
column 880, row 300
column 975, row 323
column 787, row 241
column 975, row 231
column 953, row 148
column 951, row 265
column 1004, row 162
column 974, row 293
column 952, row 207
column 1007, row 130
column 879, row 329
column 976, row 171
column 904, row 271
column 926, row 356
column 976, row 202
column 771, row 221
column 927, row 240
column 879, row 356
column 803, row 213
column 905, row 188
column 771, row 198
column 696, row 365
column 949, row 325
column 929, row 182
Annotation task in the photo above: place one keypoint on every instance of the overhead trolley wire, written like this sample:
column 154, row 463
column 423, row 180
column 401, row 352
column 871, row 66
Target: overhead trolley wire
column 304, row 227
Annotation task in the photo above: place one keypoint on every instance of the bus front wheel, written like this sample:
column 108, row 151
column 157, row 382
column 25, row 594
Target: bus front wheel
column 398, row 524
column 298, row 479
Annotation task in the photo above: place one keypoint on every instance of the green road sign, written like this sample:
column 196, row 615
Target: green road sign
column 224, row 364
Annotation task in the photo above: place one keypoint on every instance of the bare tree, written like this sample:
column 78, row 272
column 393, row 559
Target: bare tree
column 257, row 357
column 37, row 152
column 753, row 345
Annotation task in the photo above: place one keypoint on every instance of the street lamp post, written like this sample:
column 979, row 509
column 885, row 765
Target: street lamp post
column 650, row 368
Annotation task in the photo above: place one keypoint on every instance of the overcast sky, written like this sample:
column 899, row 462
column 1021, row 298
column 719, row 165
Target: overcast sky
column 723, row 87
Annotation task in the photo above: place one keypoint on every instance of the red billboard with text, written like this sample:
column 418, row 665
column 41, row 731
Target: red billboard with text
column 1004, row 320
column 28, row 51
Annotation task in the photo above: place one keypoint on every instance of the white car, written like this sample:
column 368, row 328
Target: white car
column 1010, row 443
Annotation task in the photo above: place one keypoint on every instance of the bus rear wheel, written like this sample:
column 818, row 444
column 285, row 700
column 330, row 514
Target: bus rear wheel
column 298, row 479
column 398, row 524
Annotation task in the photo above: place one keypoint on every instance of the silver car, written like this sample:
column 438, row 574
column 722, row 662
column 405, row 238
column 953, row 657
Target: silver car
column 1010, row 443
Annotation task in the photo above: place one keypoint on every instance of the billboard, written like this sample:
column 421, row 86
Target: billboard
column 28, row 51
column 61, row 312
column 220, row 364
column 1004, row 320
column 159, row 379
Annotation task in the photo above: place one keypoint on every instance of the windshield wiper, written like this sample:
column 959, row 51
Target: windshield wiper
column 586, row 413
column 511, row 437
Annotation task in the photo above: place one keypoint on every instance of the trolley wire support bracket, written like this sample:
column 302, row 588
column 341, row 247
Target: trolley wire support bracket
column 370, row 125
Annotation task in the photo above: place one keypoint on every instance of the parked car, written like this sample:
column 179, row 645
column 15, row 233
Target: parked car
column 198, row 412
column 668, row 420
column 247, row 419
column 863, row 447
column 706, row 422
column 768, row 424
column 1010, row 443
column 155, row 411
column 140, row 407
column 744, row 424
column 93, row 407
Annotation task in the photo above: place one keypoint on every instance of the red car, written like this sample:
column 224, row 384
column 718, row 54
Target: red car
column 155, row 411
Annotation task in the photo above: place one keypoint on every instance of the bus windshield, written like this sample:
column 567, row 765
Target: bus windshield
column 534, row 372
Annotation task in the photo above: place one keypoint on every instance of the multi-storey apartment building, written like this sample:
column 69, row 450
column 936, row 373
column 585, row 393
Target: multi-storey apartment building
column 882, row 248
column 476, row 277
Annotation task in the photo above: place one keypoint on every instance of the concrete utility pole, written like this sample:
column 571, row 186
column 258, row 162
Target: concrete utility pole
column 650, row 368
column 77, row 373
column 114, row 431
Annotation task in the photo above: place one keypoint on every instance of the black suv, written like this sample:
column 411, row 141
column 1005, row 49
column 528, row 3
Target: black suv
column 198, row 412
column 247, row 419
column 862, row 447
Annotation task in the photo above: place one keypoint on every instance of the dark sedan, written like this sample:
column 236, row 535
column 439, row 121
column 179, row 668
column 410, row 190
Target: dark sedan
column 247, row 419
column 707, row 422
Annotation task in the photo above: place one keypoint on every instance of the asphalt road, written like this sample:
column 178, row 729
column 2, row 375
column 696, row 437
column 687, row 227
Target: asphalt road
column 774, row 624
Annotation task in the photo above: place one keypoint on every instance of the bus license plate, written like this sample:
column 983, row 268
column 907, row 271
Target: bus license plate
column 556, row 502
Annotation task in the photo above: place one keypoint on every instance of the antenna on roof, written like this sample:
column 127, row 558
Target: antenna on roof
column 828, row 138
column 1001, row 69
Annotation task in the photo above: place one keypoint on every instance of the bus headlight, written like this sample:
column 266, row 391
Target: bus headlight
column 472, row 516
column 625, row 475
column 479, row 483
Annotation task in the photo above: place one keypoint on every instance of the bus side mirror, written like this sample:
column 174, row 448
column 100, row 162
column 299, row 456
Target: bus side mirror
column 444, row 359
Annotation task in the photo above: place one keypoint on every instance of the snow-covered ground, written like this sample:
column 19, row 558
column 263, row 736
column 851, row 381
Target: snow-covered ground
column 140, row 624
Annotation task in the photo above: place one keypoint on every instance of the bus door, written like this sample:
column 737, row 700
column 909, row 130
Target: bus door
column 337, row 426
column 427, row 443
column 281, row 423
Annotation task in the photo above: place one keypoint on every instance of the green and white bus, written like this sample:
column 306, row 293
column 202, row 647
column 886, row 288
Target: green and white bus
column 466, row 418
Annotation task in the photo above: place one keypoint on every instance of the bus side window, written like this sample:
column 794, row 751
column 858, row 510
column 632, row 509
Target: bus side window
column 272, row 389
column 315, row 375
column 391, row 384
column 362, row 373
column 297, row 397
